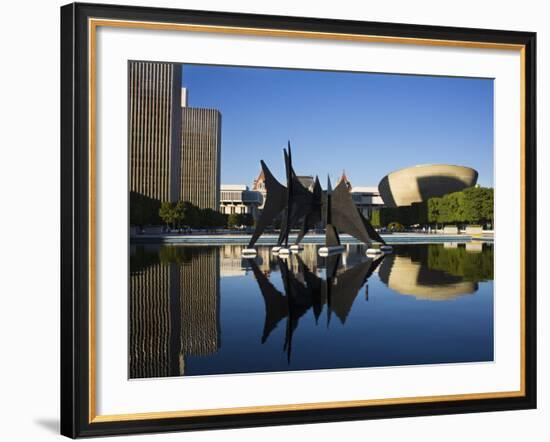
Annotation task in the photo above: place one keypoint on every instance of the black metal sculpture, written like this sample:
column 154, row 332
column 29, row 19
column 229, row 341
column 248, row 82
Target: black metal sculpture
column 276, row 202
column 343, row 216
column 298, row 205
column 313, row 213
column 332, row 239
column 294, row 203
column 304, row 206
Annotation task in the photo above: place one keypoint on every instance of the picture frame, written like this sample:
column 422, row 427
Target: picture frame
column 79, row 241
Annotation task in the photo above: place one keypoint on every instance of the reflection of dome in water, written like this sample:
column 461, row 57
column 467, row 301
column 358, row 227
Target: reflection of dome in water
column 408, row 277
column 418, row 183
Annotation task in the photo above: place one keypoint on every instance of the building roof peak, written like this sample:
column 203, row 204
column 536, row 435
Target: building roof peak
column 259, row 180
column 345, row 179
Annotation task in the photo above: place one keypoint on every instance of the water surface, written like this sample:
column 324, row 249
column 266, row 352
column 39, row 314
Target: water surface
column 196, row 310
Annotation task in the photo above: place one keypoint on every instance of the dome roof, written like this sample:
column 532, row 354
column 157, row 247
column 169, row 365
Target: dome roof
column 418, row 183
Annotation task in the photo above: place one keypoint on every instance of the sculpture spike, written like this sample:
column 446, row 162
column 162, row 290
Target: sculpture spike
column 276, row 199
column 347, row 218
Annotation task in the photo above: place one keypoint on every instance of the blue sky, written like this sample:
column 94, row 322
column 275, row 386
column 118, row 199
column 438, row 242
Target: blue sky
column 367, row 124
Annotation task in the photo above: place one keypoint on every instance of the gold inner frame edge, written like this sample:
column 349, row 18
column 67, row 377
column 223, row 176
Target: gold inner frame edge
column 93, row 24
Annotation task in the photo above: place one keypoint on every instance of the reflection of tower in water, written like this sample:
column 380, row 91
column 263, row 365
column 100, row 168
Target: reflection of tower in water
column 174, row 313
column 149, row 328
column 200, row 300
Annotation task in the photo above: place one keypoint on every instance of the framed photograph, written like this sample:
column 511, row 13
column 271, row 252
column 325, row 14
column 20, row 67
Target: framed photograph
column 275, row 220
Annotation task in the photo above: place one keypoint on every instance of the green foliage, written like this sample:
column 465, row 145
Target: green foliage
column 179, row 213
column 247, row 220
column 452, row 208
column 175, row 254
column 433, row 210
column 143, row 210
column 189, row 214
column 233, row 220
column 375, row 218
column 240, row 219
column 460, row 262
column 210, row 219
column 168, row 214
column 186, row 214
column 387, row 215
column 472, row 205
column 418, row 213
column 395, row 226
column 488, row 206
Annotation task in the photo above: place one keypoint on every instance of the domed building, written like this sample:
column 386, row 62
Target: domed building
column 419, row 183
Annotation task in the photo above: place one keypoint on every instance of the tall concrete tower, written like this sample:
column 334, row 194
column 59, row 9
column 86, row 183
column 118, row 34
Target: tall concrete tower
column 174, row 149
column 200, row 157
column 154, row 129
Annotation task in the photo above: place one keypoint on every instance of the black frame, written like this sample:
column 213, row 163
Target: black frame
column 75, row 220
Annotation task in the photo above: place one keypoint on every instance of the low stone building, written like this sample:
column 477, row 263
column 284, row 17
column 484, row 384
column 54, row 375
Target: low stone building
column 239, row 199
column 367, row 199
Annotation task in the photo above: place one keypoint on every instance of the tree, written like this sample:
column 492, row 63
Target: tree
column 233, row 220
column 433, row 210
column 191, row 215
column 143, row 210
column 388, row 215
column 375, row 218
column 395, row 227
column 179, row 213
column 418, row 213
column 479, row 204
column 247, row 219
column 472, row 205
column 488, row 206
column 451, row 208
column 445, row 210
column 210, row 218
column 167, row 213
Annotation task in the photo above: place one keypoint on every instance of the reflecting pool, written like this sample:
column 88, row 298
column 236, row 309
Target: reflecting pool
column 196, row 310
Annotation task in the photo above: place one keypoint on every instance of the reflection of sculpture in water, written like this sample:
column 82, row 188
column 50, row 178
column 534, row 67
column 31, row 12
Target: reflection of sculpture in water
column 305, row 290
column 174, row 311
column 407, row 276
column 233, row 264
